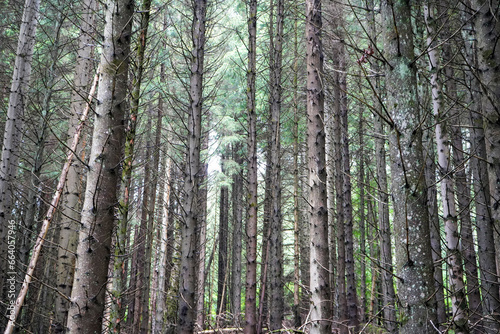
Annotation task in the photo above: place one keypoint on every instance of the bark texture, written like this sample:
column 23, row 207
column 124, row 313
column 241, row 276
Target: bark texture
column 98, row 214
column 70, row 214
column 190, row 209
column 251, row 224
column 488, row 37
column 414, row 266
column 276, row 299
column 14, row 126
column 321, row 313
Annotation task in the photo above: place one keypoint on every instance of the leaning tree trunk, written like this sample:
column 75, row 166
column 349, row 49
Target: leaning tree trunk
column 414, row 266
column 70, row 213
column 488, row 35
column 190, row 208
column 14, row 128
column 321, row 313
column 251, row 225
column 98, row 216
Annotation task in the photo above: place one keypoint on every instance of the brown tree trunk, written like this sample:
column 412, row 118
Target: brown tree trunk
column 93, row 252
column 190, row 207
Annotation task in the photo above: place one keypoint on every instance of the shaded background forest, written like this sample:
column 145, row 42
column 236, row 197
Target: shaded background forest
column 244, row 165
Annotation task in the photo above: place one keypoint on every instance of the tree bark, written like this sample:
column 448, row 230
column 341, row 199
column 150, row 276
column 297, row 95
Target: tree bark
column 93, row 251
column 454, row 256
column 223, row 247
column 70, row 213
column 488, row 70
column 251, row 225
column 190, row 209
column 14, row 126
column 321, row 313
column 237, row 198
column 275, row 272
column 414, row 266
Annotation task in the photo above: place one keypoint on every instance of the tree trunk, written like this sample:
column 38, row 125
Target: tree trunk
column 223, row 246
column 202, row 242
column 190, row 209
column 93, row 251
column 385, row 238
column 487, row 34
column 251, row 227
column 237, row 198
column 454, row 256
column 275, row 271
column 70, row 213
column 321, row 313
column 414, row 266
column 14, row 126
column 362, row 222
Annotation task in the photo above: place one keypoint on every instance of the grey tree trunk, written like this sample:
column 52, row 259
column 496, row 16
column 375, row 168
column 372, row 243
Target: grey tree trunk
column 190, row 209
column 414, row 266
column 321, row 313
column 251, row 225
column 237, row 198
column 488, row 34
column 70, row 213
column 202, row 241
column 454, row 255
column 14, row 126
column 93, row 251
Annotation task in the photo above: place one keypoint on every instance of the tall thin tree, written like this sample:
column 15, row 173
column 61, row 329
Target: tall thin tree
column 98, row 214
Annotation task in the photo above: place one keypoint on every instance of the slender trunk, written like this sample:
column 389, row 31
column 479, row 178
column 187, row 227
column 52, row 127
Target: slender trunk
column 223, row 247
column 118, row 288
column 276, row 298
column 158, row 326
column 362, row 223
column 351, row 294
column 414, row 266
column 237, row 198
column 296, row 213
column 142, row 239
column 14, row 126
column 457, row 285
column 202, row 242
column 251, row 227
column 385, row 239
column 190, row 209
column 321, row 313
column 93, row 251
column 145, row 322
column 70, row 214
column 487, row 34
